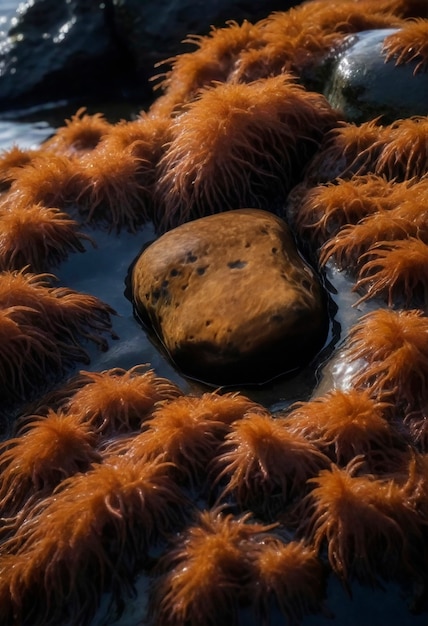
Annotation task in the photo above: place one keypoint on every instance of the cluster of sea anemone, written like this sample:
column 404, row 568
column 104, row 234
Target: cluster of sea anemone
column 222, row 504
column 245, row 508
column 87, row 498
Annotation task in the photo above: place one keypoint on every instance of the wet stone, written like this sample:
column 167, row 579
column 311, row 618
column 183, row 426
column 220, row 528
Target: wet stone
column 363, row 85
column 230, row 298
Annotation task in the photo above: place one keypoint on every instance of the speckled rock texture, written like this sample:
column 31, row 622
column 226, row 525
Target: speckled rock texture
column 230, row 298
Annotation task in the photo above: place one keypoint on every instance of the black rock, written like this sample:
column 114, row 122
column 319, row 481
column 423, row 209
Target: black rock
column 70, row 49
column 364, row 86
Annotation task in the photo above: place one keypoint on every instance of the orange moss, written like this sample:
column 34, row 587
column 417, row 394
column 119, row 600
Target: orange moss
column 368, row 526
column 81, row 134
column 347, row 424
column 396, row 271
column 290, row 574
column 117, row 400
column 37, row 237
column 207, row 572
column 238, row 145
column 394, row 349
column 84, row 539
column 263, row 465
column 409, row 44
column 48, row 450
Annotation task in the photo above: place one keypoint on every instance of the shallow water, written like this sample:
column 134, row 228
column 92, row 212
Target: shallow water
column 102, row 272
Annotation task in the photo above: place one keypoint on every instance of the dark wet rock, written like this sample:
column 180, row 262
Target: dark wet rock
column 58, row 50
column 71, row 49
column 230, row 298
column 363, row 85
column 153, row 31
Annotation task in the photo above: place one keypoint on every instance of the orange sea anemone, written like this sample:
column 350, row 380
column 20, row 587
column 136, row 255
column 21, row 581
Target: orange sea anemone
column 321, row 211
column 67, row 314
column 44, row 328
column 368, row 526
column 213, row 61
column 299, row 39
column 346, row 151
column 11, row 160
column 264, row 465
column 37, row 237
column 346, row 424
column 117, row 400
column 114, row 188
column 287, row 47
column 239, row 145
column 207, row 573
column 27, row 353
column 397, row 272
column 48, row 450
column 85, row 538
column 52, row 180
column 145, row 136
column 81, row 133
column 403, row 155
column 394, row 348
column 186, row 431
column 292, row 575
column 409, row 44
column 403, row 8
column 356, row 244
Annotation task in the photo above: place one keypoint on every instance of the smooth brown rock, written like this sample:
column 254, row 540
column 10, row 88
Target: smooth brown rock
column 230, row 298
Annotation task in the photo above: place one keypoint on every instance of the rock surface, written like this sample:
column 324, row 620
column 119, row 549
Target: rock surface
column 230, row 298
column 70, row 49
column 57, row 50
column 363, row 86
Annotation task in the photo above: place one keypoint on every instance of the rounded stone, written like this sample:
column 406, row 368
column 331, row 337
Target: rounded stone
column 363, row 85
column 230, row 298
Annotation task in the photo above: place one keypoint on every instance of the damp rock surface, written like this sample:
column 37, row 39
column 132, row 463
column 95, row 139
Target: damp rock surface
column 363, row 85
column 230, row 298
column 76, row 49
